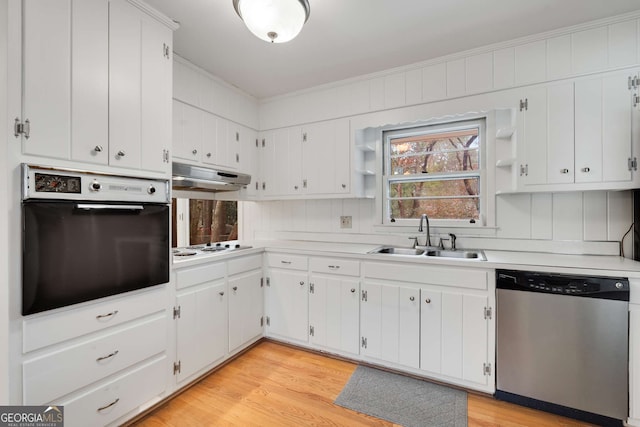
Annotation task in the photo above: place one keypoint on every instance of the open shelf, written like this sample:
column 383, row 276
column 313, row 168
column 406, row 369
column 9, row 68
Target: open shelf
column 505, row 132
column 505, row 163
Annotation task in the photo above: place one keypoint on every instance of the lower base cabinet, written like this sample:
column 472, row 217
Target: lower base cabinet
column 288, row 315
column 202, row 331
column 246, row 307
column 390, row 323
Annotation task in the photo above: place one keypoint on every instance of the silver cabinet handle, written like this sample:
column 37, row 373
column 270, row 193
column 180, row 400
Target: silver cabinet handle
column 194, row 152
column 428, row 300
column 334, row 267
column 295, row 187
column 108, row 356
column 109, row 405
column 98, row 148
column 208, row 154
column 235, row 288
column 27, row 129
column 120, row 153
column 285, row 262
column 301, row 283
column 564, row 170
column 586, row 170
column 104, row 316
column 353, row 290
column 221, row 293
column 344, row 185
column 412, row 298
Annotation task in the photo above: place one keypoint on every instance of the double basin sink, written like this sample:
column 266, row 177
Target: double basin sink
column 470, row 254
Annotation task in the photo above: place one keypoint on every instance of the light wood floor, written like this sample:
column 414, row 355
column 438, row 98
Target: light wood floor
column 276, row 385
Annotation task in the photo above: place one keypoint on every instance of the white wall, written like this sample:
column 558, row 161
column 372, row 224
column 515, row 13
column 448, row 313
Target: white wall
column 4, row 213
column 562, row 222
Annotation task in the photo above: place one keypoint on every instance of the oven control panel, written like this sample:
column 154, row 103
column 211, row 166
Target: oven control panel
column 49, row 183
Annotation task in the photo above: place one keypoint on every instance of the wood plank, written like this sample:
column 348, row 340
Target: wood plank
column 278, row 385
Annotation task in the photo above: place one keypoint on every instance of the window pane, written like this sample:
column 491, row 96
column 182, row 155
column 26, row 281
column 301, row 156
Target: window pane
column 212, row 221
column 435, row 188
column 467, row 208
column 435, row 153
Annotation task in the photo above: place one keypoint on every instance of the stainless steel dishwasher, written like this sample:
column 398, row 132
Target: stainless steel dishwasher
column 563, row 344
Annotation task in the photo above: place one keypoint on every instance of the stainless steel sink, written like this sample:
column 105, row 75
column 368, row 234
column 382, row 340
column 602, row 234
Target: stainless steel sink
column 392, row 250
column 458, row 253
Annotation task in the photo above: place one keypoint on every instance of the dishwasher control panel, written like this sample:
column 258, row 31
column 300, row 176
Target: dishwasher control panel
column 564, row 284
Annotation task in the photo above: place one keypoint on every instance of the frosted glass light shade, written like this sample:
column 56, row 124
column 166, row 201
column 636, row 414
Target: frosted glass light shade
column 275, row 21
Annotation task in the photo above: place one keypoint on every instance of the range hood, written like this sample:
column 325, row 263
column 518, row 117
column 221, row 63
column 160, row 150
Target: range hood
column 198, row 178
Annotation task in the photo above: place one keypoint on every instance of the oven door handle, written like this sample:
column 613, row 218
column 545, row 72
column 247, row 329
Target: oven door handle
column 119, row 207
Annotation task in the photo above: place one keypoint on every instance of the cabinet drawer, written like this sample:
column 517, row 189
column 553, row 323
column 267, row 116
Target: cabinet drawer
column 43, row 330
column 428, row 275
column 242, row 265
column 59, row 373
column 196, row 275
column 294, row 262
column 102, row 405
column 335, row 266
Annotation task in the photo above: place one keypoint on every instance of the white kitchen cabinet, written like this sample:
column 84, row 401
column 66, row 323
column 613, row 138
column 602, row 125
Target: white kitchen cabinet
column 249, row 162
column 454, row 334
column 390, row 323
column 188, row 131
column 201, row 329
column 96, row 79
column 334, row 291
column 287, row 305
column 577, row 134
column 246, row 302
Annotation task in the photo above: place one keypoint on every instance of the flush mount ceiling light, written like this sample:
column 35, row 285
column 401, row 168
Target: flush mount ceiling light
column 275, row 21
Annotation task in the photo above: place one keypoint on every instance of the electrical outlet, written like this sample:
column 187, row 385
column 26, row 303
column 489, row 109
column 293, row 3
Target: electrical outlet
column 345, row 221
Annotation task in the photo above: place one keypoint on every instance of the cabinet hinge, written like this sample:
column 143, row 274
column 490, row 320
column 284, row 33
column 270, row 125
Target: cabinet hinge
column 312, row 288
column 262, row 282
column 268, row 281
column 261, row 321
column 364, row 296
column 268, row 321
column 176, row 312
column 524, row 170
column 486, row 369
column 20, row 128
column 311, row 331
column 304, row 183
column 177, row 366
column 264, row 185
column 263, row 144
column 304, row 137
column 636, row 100
column 257, row 188
column 632, row 164
column 165, row 50
column 634, row 82
column 524, row 105
column 363, row 342
column 165, row 156
column 487, row 313
column 257, row 143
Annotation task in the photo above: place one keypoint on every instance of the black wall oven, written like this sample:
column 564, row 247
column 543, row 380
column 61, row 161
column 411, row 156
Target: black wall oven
column 87, row 236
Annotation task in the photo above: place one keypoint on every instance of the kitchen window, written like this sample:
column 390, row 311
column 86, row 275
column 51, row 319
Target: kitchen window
column 198, row 221
column 434, row 169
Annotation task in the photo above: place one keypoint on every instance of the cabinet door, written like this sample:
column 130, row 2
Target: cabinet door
column 249, row 150
column 90, row 81
column 47, row 77
column 342, row 156
column 234, row 135
column 588, row 124
column 475, row 336
column 124, row 84
column 294, row 181
column 617, row 139
column 333, row 312
column 245, row 308
column 267, row 164
column 390, row 323
column 287, row 305
column 560, row 134
column 202, row 327
column 209, row 138
column 431, row 331
column 318, row 148
column 156, row 91
column 533, row 122
column 189, row 144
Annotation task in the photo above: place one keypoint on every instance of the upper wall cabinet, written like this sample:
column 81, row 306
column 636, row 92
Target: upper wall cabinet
column 96, row 83
column 577, row 134
column 312, row 161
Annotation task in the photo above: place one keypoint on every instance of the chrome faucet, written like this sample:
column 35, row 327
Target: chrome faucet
column 453, row 241
column 425, row 218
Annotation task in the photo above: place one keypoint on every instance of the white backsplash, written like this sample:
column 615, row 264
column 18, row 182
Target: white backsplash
column 576, row 222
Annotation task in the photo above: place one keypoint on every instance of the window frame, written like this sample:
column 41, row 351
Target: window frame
column 395, row 132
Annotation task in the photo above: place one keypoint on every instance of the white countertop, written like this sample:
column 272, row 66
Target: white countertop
column 535, row 261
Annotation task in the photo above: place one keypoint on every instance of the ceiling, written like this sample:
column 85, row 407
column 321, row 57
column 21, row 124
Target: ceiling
column 347, row 38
